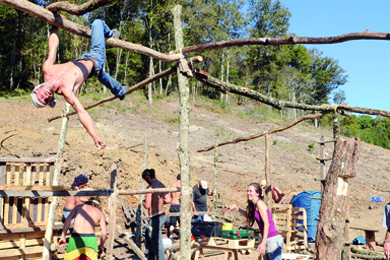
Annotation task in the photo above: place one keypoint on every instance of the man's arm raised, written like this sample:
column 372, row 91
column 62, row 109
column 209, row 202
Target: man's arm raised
column 54, row 41
column 84, row 117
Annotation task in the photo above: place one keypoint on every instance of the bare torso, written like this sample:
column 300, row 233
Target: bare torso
column 68, row 76
column 86, row 218
column 175, row 195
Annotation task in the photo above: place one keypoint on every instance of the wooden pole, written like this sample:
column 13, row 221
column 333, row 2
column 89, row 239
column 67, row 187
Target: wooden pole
column 334, row 204
column 322, row 162
column 267, row 169
column 53, row 204
column 141, row 197
column 347, row 241
column 186, row 192
column 215, row 192
column 112, row 222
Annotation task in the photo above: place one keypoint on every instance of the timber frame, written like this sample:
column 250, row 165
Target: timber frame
column 344, row 150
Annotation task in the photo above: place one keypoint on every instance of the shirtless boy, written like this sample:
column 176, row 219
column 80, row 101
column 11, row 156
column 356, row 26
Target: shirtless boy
column 277, row 194
column 83, row 242
column 72, row 201
column 175, row 207
column 65, row 79
column 154, row 204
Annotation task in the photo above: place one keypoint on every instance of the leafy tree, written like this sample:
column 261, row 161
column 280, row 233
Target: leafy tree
column 268, row 19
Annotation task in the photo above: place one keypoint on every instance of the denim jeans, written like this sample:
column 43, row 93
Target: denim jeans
column 99, row 33
column 273, row 248
column 153, row 237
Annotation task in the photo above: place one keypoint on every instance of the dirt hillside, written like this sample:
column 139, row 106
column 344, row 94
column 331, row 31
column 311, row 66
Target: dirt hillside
column 25, row 132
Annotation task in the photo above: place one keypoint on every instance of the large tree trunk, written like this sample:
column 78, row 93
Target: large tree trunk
column 334, row 204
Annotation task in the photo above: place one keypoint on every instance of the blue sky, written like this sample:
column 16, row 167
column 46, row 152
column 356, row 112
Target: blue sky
column 367, row 62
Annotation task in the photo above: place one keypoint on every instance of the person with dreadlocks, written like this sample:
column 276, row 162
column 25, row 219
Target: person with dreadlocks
column 256, row 210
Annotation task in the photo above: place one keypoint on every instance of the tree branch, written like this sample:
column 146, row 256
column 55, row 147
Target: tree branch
column 280, row 104
column 289, row 40
column 79, row 30
column 272, row 131
column 78, row 9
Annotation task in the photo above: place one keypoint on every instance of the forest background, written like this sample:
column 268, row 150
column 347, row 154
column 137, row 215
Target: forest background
column 292, row 73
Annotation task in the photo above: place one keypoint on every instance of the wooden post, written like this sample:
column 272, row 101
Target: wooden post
column 322, row 162
column 347, row 241
column 267, row 169
column 141, row 197
column 186, row 192
column 334, row 203
column 53, row 204
column 215, row 192
column 112, row 222
column 336, row 126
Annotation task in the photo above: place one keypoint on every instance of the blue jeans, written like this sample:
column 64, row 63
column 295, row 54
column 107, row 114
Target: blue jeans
column 153, row 237
column 273, row 248
column 99, row 33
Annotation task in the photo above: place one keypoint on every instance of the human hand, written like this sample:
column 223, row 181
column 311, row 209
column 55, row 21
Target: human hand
column 100, row 143
column 231, row 207
column 101, row 250
column 61, row 243
column 386, row 249
column 261, row 249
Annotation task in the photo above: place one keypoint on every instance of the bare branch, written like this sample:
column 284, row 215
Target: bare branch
column 79, row 30
column 280, row 104
column 289, row 40
column 272, row 131
column 78, row 9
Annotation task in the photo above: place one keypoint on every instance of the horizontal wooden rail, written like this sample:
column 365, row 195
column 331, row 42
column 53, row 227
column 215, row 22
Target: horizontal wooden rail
column 134, row 192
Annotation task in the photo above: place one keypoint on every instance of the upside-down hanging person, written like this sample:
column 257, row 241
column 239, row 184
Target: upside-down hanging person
column 65, row 79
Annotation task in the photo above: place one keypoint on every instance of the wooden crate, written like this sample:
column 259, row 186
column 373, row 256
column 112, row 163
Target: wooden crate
column 287, row 222
column 22, row 212
column 23, row 219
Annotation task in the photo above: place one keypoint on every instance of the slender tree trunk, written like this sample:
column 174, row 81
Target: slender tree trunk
column 150, row 85
column 222, row 71
column 334, row 204
column 186, row 191
column 159, row 71
column 215, row 183
column 267, row 169
column 293, row 99
column 227, row 72
column 126, row 66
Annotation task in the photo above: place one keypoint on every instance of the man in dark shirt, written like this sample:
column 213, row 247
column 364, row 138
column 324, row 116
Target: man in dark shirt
column 199, row 196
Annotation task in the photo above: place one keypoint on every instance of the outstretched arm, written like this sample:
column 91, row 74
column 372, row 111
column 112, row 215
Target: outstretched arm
column 84, row 117
column 234, row 206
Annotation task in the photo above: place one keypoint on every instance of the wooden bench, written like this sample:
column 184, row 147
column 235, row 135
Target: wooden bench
column 370, row 236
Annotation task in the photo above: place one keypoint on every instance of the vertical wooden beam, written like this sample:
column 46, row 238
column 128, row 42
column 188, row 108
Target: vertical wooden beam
column 322, row 162
column 56, row 176
column 215, row 191
column 267, row 169
column 186, row 191
column 347, row 248
column 3, row 178
column 112, row 222
column 141, row 197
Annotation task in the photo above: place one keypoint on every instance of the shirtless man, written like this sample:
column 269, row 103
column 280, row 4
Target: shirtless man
column 72, row 201
column 277, row 195
column 65, row 79
column 154, row 204
column 83, row 242
column 175, row 207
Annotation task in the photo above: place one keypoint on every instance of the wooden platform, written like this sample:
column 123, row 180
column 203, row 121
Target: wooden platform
column 229, row 246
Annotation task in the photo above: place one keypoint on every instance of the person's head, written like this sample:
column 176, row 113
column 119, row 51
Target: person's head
column 203, row 185
column 148, row 175
column 94, row 201
column 178, row 177
column 80, row 181
column 254, row 192
column 263, row 184
column 43, row 95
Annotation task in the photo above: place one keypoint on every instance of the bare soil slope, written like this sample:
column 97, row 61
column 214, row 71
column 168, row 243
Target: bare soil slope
column 25, row 132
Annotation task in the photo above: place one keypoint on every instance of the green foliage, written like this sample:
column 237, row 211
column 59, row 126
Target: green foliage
column 369, row 129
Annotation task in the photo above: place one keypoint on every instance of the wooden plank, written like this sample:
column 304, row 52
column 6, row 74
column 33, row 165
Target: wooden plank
column 364, row 229
column 27, row 160
column 112, row 221
column 18, row 252
column 45, row 193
